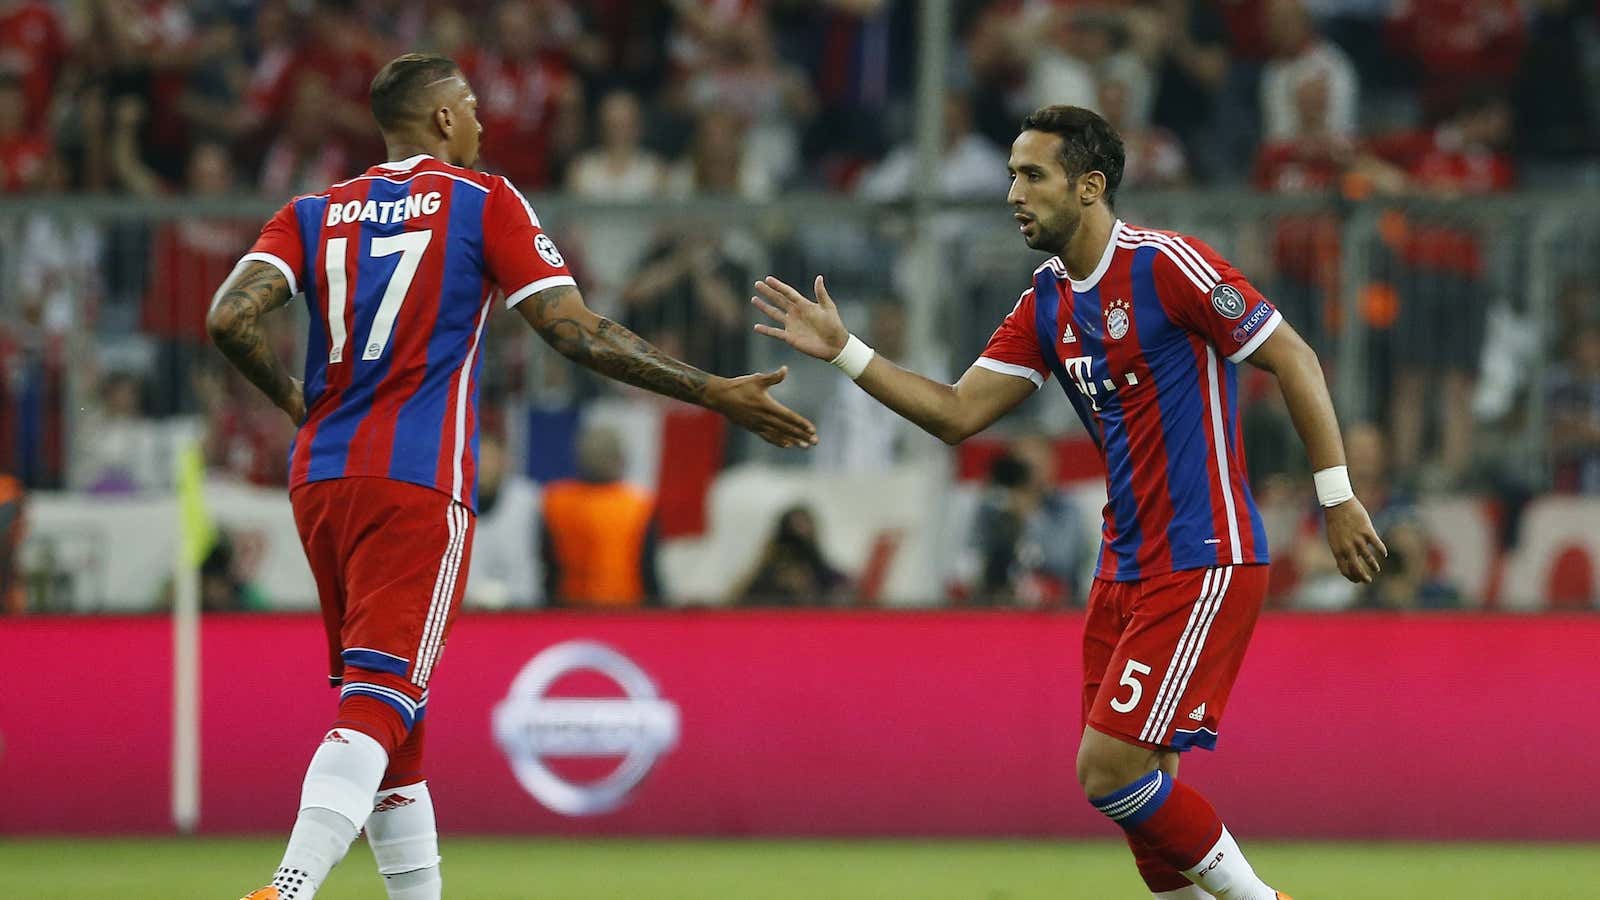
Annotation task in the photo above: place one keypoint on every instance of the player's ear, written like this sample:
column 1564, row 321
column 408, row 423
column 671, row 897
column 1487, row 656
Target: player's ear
column 1091, row 187
column 444, row 119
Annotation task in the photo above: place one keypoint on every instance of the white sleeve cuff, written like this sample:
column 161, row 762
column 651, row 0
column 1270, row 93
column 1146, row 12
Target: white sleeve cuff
column 543, row 284
column 1243, row 353
column 1005, row 368
column 294, row 285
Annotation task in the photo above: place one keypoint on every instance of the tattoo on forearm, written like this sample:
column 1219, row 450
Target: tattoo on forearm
column 236, row 328
column 614, row 351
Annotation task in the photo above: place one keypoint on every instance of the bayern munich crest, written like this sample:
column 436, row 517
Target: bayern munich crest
column 1117, row 319
column 533, row 728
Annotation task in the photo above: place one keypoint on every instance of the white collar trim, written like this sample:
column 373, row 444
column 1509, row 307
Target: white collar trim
column 405, row 165
column 1105, row 262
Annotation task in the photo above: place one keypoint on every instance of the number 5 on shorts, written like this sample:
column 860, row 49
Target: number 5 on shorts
column 1134, row 668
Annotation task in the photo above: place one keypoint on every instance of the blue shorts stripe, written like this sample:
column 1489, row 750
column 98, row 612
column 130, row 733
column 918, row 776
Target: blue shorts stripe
column 407, row 715
column 376, row 661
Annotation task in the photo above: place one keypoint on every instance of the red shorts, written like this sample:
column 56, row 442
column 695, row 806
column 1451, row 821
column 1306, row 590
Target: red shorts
column 390, row 560
column 1160, row 655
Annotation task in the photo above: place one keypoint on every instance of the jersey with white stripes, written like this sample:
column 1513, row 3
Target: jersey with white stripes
column 400, row 268
column 1146, row 349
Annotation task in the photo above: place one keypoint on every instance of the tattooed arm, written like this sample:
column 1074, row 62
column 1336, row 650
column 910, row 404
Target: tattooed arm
column 576, row 332
column 253, row 290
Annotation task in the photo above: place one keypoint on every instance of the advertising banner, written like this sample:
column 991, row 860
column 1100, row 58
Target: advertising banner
column 817, row 724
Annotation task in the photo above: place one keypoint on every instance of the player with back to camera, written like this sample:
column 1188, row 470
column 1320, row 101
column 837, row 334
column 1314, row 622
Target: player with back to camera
column 1143, row 328
column 400, row 268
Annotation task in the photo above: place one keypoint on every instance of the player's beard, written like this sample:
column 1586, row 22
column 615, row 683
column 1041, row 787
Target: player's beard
column 1053, row 234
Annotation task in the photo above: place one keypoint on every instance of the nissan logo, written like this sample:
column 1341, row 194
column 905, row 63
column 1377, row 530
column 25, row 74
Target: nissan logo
column 531, row 728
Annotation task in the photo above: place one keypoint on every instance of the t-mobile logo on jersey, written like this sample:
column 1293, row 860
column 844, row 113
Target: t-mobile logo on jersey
column 1081, row 369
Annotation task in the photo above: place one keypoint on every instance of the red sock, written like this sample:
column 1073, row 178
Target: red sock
column 1158, row 874
column 1167, row 816
column 1182, row 829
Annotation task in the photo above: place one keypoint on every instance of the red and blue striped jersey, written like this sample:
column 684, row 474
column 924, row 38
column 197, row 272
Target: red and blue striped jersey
column 400, row 268
column 1146, row 349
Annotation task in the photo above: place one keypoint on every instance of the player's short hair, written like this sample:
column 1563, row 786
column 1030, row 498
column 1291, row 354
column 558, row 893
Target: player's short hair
column 397, row 88
column 1088, row 142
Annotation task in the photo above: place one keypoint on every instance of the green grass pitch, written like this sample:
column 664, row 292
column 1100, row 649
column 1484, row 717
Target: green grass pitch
column 500, row 869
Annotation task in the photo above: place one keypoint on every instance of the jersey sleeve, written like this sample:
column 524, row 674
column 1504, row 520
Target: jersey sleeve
column 1014, row 347
column 279, row 245
column 1208, row 296
column 522, row 259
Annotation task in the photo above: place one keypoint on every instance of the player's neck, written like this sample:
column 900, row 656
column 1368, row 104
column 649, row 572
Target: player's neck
column 1088, row 243
column 400, row 151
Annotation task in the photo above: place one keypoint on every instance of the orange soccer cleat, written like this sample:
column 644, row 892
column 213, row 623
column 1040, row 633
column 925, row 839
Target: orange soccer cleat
column 267, row 893
column 1281, row 896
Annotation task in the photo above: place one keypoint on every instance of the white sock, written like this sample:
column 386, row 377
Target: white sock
column 1224, row 872
column 405, row 842
column 1192, row 892
column 335, row 800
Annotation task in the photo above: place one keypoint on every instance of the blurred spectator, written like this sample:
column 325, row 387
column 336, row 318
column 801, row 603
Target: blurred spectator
column 190, row 258
column 127, row 455
column 719, row 163
column 627, row 44
column 1188, row 49
column 688, row 298
column 247, row 437
column 1064, row 48
column 1153, row 156
column 224, row 585
column 744, row 75
column 970, row 166
column 54, row 263
column 700, row 25
column 1439, row 275
column 1312, row 159
column 619, row 167
column 1300, row 54
column 859, row 56
column 505, row 549
column 1572, row 393
column 792, row 570
column 1457, row 46
column 147, row 51
column 33, row 49
column 338, row 60
column 529, row 101
column 1029, row 546
column 1407, row 580
column 598, row 534
column 12, row 508
column 302, row 159
column 24, row 151
column 863, row 435
column 1553, row 98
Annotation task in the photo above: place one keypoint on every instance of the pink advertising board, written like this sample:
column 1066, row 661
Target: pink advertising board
column 818, row 723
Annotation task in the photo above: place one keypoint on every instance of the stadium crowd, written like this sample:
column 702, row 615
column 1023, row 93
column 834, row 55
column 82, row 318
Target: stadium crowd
column 647, row 100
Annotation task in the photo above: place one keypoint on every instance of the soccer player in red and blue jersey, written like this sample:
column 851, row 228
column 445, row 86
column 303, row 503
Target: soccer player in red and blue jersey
column 1144, row 329
column 400, row 268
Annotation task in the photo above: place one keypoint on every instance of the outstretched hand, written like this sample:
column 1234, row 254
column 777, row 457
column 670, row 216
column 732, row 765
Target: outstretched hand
column 1355, row 543
column 813, row 328
column 746, row 402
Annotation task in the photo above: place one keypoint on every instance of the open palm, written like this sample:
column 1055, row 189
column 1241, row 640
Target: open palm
column 813, row 328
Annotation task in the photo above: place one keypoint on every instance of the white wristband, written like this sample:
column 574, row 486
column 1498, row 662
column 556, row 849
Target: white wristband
column 1333, row 485
column 853, row 359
